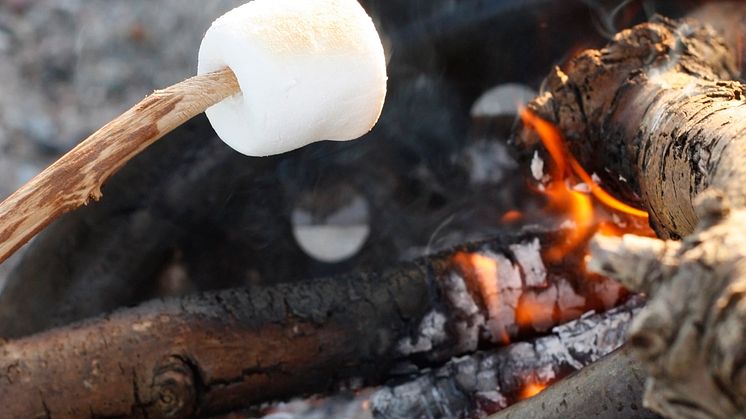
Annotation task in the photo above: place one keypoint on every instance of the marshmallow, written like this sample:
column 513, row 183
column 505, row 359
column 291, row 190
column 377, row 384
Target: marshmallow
column 309, row 70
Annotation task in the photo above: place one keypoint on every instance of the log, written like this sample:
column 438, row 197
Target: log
column 610, row 388
column 485, row 382
column 481, row 383
column 660, row 105
column 219, row 351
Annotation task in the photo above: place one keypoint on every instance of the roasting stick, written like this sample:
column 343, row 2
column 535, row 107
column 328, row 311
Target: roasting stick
column 273, row 76
column 77, row 177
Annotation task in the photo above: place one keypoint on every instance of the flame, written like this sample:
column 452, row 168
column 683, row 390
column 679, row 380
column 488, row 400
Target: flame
column 566, row 196
column 484, row 270
column 530, row 390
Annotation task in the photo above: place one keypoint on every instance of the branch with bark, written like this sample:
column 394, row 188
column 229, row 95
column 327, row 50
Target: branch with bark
column 487, row 381
column 661, row 106
column 478, row 384
column 215, row 352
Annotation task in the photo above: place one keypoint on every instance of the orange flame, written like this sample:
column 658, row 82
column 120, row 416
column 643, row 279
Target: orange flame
column 564, row 197
column 530, row 390
column 484, row 270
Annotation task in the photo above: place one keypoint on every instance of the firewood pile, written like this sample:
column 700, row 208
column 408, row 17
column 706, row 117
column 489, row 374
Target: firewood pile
column 578, row 254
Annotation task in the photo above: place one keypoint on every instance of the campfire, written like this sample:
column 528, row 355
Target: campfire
column 553, row 233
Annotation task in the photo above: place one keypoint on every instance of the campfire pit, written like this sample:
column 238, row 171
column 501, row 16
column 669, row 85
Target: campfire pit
column 457, row 284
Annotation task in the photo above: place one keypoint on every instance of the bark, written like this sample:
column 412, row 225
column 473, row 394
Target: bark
column 483, row 383
column 610, row 389
column 219, row 351
column 658, row 104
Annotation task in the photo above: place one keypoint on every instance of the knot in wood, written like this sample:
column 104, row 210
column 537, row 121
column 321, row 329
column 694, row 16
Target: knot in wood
column 174, row 390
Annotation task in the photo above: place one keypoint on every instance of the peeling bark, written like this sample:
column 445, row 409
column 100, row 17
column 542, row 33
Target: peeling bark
column 219, row 351
column 658, row 104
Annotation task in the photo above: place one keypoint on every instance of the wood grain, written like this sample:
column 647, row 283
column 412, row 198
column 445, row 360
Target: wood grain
column 77, row 177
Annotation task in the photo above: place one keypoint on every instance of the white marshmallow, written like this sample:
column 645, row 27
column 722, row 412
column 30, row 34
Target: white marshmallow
column 309, row 70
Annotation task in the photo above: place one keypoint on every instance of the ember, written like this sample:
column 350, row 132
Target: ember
column 531, row 390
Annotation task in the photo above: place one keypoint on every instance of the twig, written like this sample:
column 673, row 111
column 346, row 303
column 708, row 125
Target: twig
column 78, row 176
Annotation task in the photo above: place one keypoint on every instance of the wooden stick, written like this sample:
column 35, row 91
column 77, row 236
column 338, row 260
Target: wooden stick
column 77, row 177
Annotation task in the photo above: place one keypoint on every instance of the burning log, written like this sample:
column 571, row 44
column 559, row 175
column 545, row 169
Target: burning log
column 214, row 352
column 659, row 104
column 481, row 383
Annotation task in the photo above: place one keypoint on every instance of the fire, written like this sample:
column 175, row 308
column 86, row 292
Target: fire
column 574, row 193
column 484, row 271
column 530, row 390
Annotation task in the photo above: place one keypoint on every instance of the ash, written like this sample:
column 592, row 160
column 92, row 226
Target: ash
column 488, row 381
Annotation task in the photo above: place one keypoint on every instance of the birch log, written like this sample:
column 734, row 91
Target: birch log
column 662, row 108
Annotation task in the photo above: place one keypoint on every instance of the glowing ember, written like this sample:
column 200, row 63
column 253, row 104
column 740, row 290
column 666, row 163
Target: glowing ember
column 511, row 216
column 530, row 390
column 573, row 193
column 536, row 310
column 484, row 270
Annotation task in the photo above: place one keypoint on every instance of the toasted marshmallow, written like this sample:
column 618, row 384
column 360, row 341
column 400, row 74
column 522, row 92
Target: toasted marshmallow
column 309, row 70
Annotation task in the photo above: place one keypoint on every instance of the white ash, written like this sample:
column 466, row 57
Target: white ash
column 470, row 319
column 460, row 387
column 537, row 167
column 528, row 256
column 501, row 307
column 346, row 405
column 431, row 333
column 593, row 338
column 596, row 178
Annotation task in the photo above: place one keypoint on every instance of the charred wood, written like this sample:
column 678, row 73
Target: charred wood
column 610, row 388
column 480, row 384
column 219, row 351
